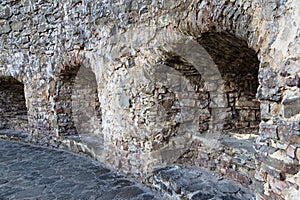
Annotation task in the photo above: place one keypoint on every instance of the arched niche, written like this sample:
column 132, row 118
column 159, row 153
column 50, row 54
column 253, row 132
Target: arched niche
column 223, row 72
column 76, row 103
column 13, row 110
column 238, row 66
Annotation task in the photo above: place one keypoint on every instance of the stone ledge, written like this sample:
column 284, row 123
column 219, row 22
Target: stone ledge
column 182, row 182
column 13, row 133
column 244, row 145
column 84, row 143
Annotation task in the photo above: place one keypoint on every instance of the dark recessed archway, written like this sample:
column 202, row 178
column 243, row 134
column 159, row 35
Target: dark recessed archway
column 238, row 66
column 13, row 110
column 63, row 102
column 77, row 105
column 229, row 148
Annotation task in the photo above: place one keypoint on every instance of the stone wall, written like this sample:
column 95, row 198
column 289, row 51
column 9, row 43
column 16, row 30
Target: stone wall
column 169, row 77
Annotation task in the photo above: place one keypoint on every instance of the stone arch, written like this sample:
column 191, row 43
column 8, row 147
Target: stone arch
column 234, row 17
column 232, row 99
column 77, row 106
column 196, row 60
column 85, row 102
column 225, row 29
column 13, row 115
column 179, row 43
column 169, row 45
column 173, row 48
column 63, row 101
column 238, row 66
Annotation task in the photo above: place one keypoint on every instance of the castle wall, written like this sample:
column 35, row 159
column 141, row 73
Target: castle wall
column 170, row 78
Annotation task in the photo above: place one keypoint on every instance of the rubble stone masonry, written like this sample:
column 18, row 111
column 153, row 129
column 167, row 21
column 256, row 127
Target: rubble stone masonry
column 143, row 84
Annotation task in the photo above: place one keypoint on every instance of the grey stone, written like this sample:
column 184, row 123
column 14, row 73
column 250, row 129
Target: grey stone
column 4, row 28
column 16, row 25
column 203, row 185
column 291, row 106
column 268, row 130
column 3, row 181
column 14, row 133
column 30, row 192
column 228, row 187
column 202, row 195
column 5, row 12
column 217, row 48
column 124, row 100
column 129, row 192
column 31, row 185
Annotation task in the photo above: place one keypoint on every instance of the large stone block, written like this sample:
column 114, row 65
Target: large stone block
column 269, row 88
column 5, row 12
column 4, row 27
column 268, row 130
column 291, row 106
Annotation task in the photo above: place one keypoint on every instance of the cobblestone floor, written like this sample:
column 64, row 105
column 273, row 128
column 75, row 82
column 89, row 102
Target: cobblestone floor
column 181, row 182
column 29, row 172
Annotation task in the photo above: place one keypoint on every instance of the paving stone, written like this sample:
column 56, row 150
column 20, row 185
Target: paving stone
column 8, row 191
column 147, row 197
column 3, row 181
column 46, row 181
column 202, row 195
column 30, row 192
column 129, row 193
column 122, row 183
column 83, row 177
column 228, row 187
column 13, row 133
column 23, row 179
column 203, row 184
column 108, row 195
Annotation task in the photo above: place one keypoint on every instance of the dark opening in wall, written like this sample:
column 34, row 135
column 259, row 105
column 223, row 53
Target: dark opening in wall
column 85, row 103
column 63, row 102
column 229, row 152
column 197, row 82
column 77, row 104
column 13, row 111
column 238, row 66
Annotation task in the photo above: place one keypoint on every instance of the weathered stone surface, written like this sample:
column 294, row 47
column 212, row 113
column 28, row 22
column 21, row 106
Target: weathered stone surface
column 13, row 133
column 291, row 106
column 269, row 84
column 5, row 12
column 179, row 182
column 33, row 172
column 293, row 81
column 268, row 130
column 206, row 56
column 17, row 26
column 5, row 27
